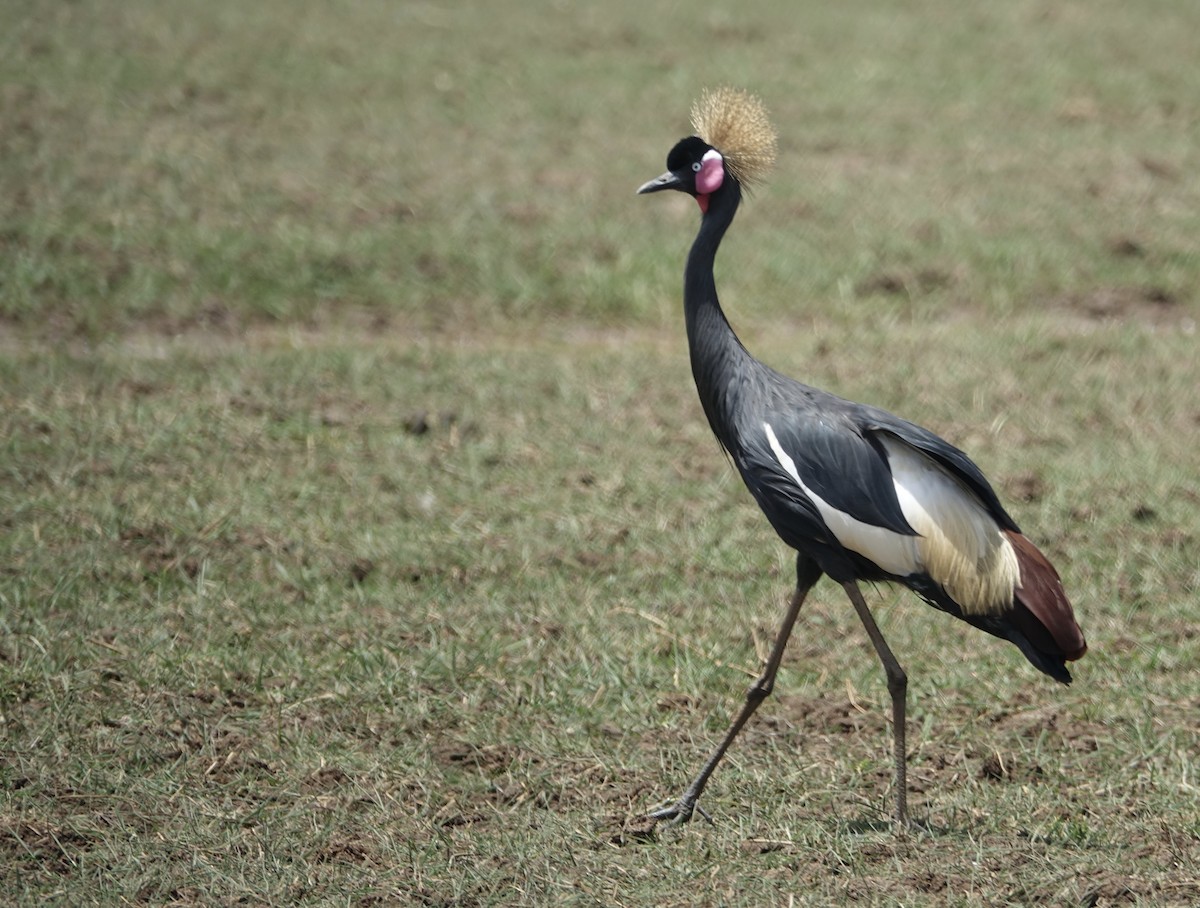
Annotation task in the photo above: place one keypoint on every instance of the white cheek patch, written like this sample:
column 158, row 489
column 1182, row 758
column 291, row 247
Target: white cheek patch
column 959, row 545
column 712, row 172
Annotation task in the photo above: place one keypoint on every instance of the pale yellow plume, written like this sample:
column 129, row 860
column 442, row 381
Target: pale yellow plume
column 735, row 123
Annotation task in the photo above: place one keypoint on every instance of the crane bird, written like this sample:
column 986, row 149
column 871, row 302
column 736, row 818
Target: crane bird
column 860, row 494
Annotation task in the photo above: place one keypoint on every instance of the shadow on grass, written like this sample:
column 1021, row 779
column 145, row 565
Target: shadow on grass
column 864, row 826
column 642, row 828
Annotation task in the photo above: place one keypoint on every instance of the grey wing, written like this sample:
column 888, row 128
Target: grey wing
column 833, row 459
column 949, row 457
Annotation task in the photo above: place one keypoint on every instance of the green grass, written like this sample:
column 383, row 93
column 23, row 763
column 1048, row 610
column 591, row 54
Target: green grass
column 363, row 539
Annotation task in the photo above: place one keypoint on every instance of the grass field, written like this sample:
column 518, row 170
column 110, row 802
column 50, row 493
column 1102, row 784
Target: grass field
column 364, row 543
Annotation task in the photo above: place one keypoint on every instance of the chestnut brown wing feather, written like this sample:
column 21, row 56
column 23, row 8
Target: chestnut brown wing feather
column 1042, row 611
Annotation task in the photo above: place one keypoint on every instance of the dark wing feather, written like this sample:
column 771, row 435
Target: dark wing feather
column 955, row 461
column 841, row 464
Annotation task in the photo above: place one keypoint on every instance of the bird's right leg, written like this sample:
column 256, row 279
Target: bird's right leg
column 897, row 682
column 681, row 811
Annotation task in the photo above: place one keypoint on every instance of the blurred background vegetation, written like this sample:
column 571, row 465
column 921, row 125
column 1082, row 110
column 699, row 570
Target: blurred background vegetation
column 441, row 165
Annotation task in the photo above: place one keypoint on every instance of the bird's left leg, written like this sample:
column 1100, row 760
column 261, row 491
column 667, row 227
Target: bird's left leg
column 681, row 811
column 898, row 687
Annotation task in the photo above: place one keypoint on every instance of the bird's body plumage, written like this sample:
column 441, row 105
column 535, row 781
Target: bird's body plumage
column 858, row 492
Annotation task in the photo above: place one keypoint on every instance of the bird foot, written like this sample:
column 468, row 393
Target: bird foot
column 679, row 813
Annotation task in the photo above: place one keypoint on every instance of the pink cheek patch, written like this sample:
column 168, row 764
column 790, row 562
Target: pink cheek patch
column 711, row 174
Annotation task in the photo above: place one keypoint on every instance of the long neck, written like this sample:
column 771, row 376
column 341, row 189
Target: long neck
column 719, row 361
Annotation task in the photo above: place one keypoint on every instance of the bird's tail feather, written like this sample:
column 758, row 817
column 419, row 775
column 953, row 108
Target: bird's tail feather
column 1041, row 610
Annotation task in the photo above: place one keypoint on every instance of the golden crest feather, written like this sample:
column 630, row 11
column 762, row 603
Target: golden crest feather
column 735, row 123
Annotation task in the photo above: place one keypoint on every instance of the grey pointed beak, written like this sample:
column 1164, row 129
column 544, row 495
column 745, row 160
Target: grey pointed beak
column 667, row 181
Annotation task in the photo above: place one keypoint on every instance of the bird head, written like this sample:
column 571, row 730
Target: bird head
column 734, row 139
column 694, row 167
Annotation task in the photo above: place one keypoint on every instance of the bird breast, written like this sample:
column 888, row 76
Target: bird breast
column 958, row 543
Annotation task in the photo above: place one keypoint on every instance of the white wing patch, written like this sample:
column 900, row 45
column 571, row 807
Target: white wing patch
column 959, row 545
column 893, row 552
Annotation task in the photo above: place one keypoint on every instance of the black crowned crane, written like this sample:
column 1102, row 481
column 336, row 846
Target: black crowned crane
column 860, row 494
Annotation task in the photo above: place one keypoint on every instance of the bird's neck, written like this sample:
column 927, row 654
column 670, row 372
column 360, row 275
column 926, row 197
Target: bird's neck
column 720, row 364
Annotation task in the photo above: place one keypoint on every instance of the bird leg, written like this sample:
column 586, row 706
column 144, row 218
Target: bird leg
column 897, row 682
column 681, row 810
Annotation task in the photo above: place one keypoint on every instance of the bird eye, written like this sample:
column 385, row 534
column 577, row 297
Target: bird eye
column 696, row 167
